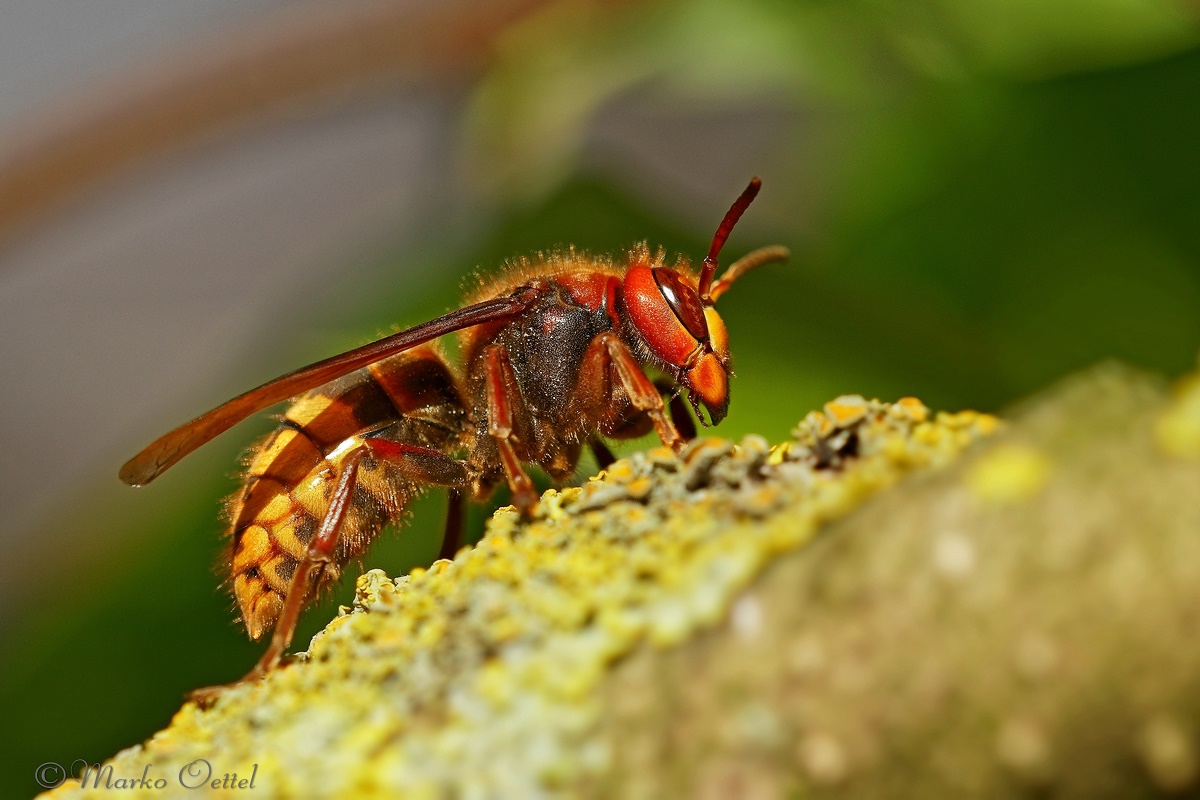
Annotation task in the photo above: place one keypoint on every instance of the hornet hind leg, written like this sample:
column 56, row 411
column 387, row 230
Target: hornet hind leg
column 420, row 464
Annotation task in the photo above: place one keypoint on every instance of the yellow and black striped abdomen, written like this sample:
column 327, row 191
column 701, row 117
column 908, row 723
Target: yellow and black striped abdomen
column 290, row 478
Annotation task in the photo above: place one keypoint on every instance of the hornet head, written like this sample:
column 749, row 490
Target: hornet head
column 674, row 314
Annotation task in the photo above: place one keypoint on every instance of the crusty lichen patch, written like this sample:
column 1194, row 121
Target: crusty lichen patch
column 479, row 676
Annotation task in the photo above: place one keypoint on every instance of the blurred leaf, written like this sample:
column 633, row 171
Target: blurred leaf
column 558, row 69
column 1036, row 39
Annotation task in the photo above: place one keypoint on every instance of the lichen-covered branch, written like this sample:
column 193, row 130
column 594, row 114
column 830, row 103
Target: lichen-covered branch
column 1020, row 620
column 1022, row 624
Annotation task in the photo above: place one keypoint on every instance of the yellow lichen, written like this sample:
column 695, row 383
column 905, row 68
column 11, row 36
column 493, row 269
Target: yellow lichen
column 846, row 410
column 1177, row 429
column 1009, row 473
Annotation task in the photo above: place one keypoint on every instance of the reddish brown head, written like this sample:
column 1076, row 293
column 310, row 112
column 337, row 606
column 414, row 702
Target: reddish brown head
column 674, row 315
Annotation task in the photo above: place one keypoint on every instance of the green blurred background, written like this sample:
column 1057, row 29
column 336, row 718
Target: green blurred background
column 980, row 198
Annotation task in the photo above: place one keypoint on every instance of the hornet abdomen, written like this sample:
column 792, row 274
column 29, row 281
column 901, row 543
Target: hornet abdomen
column 411, row 398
